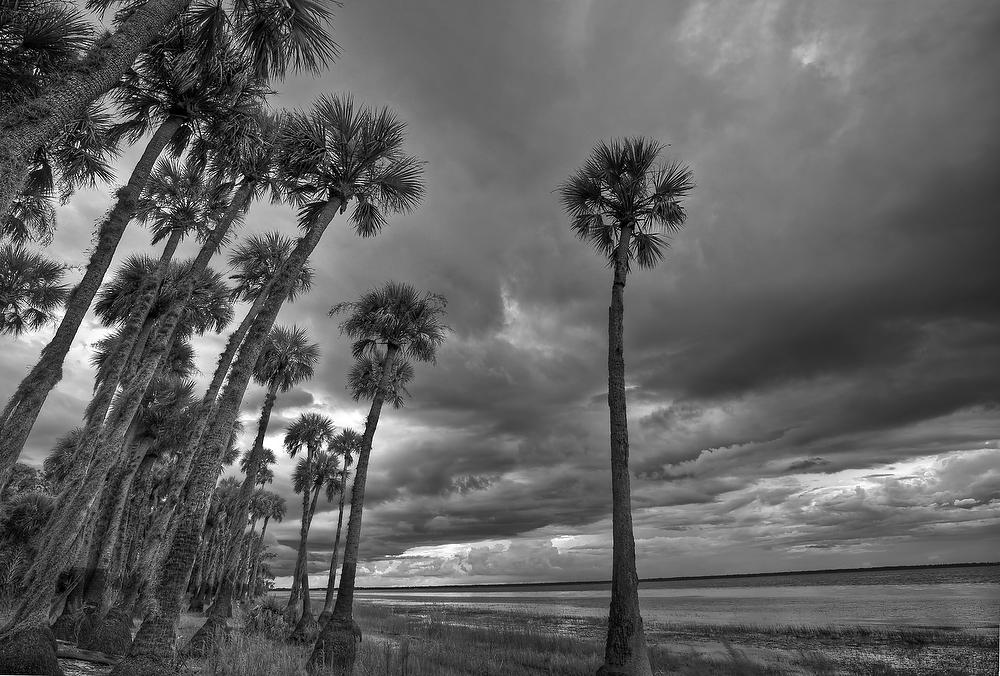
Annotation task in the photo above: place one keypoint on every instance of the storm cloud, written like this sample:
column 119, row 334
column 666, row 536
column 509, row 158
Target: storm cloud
column 813, row 371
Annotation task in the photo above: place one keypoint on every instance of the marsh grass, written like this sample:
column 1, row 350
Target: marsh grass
column 401, row 643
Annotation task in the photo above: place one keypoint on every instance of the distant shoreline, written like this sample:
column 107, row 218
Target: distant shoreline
column 685, row 578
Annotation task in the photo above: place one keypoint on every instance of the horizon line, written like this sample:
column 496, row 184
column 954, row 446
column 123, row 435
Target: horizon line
column 681, row 578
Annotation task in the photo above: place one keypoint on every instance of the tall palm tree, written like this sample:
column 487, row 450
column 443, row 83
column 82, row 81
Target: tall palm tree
column 345, row 446
column 30, row 289
column 625, row 203
column 312, row 432
column 287, row 359
column 170, row 96
column 391, row 324
column 273, row 508
column 338, row 154
column 276, row 36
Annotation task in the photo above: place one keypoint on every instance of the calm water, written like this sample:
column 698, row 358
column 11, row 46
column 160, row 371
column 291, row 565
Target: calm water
column 951, row 597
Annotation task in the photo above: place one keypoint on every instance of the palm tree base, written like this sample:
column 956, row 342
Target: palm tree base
column 637, row 662
column 85, row 627
column 29, row 651
column 111, row 635
column 65, row 627
column 306, row 630
column 208, row 636
column 336, row 647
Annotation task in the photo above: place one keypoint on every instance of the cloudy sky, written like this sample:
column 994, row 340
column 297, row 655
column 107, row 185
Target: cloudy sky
column 814, row 370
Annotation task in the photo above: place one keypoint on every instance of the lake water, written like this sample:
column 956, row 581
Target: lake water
column 967, row 597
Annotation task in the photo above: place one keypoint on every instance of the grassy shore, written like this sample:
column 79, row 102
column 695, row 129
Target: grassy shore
column 400, row 643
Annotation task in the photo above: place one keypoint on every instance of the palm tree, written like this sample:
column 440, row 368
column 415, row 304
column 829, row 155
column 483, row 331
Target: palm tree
column 346, row 446
column 624, row 203
column 276, row 36
column 337, row 154
column 311, row 431
column 173, row 96
column 392, row 324
column 286, row 360
column 76, row 158
column 30, row 289
column 272, row 508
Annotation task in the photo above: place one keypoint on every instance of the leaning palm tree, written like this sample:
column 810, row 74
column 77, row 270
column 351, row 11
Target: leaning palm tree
column 172, row 97
column 312, row 432
column 338, row 154
column 389, row 325
column 346, row 447
column 625, row 203
column 30, row 289
column 288, row 358
column 276, row 36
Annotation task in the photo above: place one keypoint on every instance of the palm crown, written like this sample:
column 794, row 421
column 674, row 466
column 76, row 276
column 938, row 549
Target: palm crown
column 179, row 198
column 342, row 152
column 621, row 186
column 30, row 289
column 394, row 315
column 286, row 359
column 257, row 260
column 165, row 85
column 311, row 431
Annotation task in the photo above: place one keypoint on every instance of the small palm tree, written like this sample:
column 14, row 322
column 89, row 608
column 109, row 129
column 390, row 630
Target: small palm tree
column 391, row 323
column 346, row 447
column 30, row 289
column 624, row 203
column 274, row 508
column 312, row 432
column 309, row 478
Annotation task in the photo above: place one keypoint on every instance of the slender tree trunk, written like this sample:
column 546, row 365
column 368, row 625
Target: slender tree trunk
column 97, row 410
column 34, row 123
column 336, row 646
column 24, row 405
column 331, row 592
column 257, row 558
column 625, row 648
column 153, row 648
column 295, row 594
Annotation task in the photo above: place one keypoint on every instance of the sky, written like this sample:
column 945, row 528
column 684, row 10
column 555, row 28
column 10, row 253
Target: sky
column 813, row 371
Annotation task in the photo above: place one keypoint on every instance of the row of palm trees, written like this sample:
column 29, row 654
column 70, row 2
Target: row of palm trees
column 138, row 477
column 136, row 483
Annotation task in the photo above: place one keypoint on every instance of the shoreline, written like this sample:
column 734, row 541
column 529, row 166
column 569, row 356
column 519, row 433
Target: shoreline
column 513, row 586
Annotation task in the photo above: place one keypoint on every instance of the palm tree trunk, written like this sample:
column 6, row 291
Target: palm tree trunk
column 332, row 579
column 293, row 596
column 98, row 408
column 32, row 124
column 335, row 646
column 24, row 405
column 255, row 563
column 625, row 648
column 153, row 648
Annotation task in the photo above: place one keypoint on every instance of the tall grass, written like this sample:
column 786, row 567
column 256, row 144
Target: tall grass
column 397, row 643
